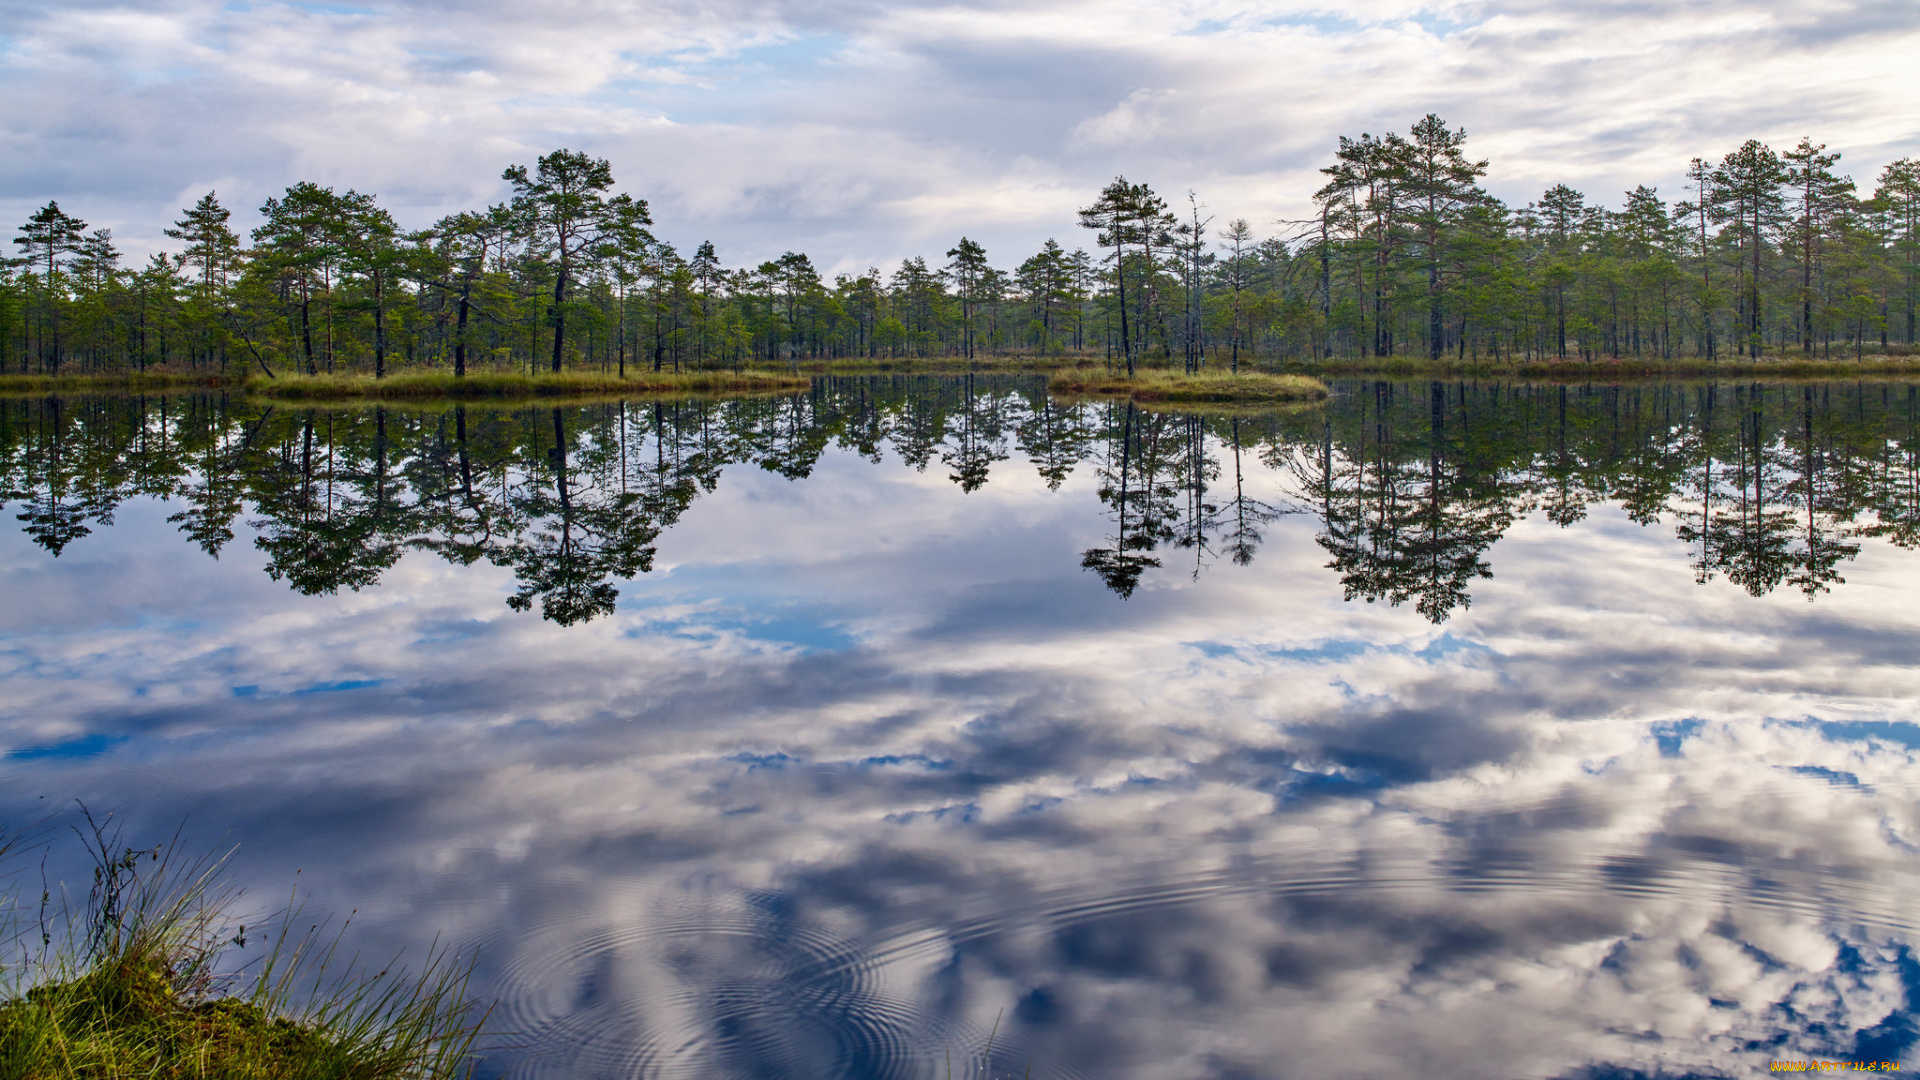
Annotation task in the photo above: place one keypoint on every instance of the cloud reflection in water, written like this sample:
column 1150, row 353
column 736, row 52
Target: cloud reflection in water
column 864, row 760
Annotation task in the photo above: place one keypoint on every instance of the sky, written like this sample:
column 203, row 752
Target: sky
column 863, row 133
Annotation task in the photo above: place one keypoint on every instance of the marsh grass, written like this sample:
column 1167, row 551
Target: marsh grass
column 130, row 986
column 431, row 385
column 1204, row 387
column 1085, row 370
column 1791, row 366
column 126, row 382
column 1009, row 363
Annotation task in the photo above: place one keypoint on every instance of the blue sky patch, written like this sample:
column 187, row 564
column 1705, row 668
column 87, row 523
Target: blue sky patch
column 85, row 746
column 1893, row 731
column 344, row 684
column 1669, row 734
column 1831, row 776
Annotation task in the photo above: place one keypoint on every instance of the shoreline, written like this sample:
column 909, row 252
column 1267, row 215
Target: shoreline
column 1619, row 369
column 1070, row 374
column 414, row 386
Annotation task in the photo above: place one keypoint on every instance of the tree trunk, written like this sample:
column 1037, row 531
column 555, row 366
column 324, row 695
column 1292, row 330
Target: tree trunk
column 306, row 324
column 559, row 315
column 379, row 329
column 1120, row 279
column 1436, row 333
column 460, row 333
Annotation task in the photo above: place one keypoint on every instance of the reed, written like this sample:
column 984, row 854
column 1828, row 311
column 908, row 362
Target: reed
column 130, row 987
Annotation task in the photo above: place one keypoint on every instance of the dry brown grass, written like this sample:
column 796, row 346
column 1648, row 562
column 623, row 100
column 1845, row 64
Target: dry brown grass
column 1251, row 387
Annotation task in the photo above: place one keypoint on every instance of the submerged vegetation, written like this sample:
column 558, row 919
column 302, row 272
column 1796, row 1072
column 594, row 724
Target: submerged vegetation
column 132, row 987
column 1405, row 260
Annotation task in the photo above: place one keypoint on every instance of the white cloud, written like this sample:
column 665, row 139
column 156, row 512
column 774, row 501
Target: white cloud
column 864, row 133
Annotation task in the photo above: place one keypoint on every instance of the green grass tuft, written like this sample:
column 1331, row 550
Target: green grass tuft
column 129, row 989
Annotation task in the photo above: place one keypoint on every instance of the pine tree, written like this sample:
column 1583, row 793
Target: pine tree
column 1747, row 197
column 564, row 206
column 1114, row 219
column 1235, row 276
column 1046, row 280
column 967, row 265
column 1192, row 245
column 211, row 244
column 1899, row 192
column 1440, row 188
column 1821, row 195
column 370, row 248
column 300, row 245
column 1693, row 217
column 466, row 244
column 49, row 234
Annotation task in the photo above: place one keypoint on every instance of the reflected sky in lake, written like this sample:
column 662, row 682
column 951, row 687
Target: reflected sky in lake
column 1471, row 729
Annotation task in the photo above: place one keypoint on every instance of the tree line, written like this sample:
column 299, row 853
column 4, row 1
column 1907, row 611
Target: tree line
column 1405, row 255
column 1408, row 485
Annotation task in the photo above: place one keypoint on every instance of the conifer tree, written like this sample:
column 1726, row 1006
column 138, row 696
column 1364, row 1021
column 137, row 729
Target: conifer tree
column 1237, row 279
column 967, row 265
column 1821, row 195
column 564, row 207
column 1114, row 218
column 1440, row 188
column 370, row 248
column 1899, row 192
column 1747, row 197
column 211, row 243
column 49, row 234
column 300, row 244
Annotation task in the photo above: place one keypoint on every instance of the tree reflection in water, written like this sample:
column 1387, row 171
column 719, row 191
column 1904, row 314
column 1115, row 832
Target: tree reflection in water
column 1411, row 483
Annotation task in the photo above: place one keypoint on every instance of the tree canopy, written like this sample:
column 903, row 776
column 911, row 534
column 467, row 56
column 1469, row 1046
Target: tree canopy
column 1406, row 254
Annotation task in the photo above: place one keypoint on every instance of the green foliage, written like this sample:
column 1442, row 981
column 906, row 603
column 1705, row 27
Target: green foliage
column 1406, row 256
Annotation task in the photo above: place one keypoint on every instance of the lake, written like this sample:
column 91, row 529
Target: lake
column 1459, row 729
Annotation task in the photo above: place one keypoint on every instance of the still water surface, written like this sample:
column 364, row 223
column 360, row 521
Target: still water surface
column 1472, row 729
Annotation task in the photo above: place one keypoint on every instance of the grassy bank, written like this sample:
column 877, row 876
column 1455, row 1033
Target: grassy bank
column 1179, row 387
column 124, row 382
column 1620, row 370
column 486, row 385
column 132, row 988
column 414, row 385
column 1078, row 373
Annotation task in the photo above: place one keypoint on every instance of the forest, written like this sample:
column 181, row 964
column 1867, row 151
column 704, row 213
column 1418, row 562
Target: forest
column 1407, row 485
column 1406, row 255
